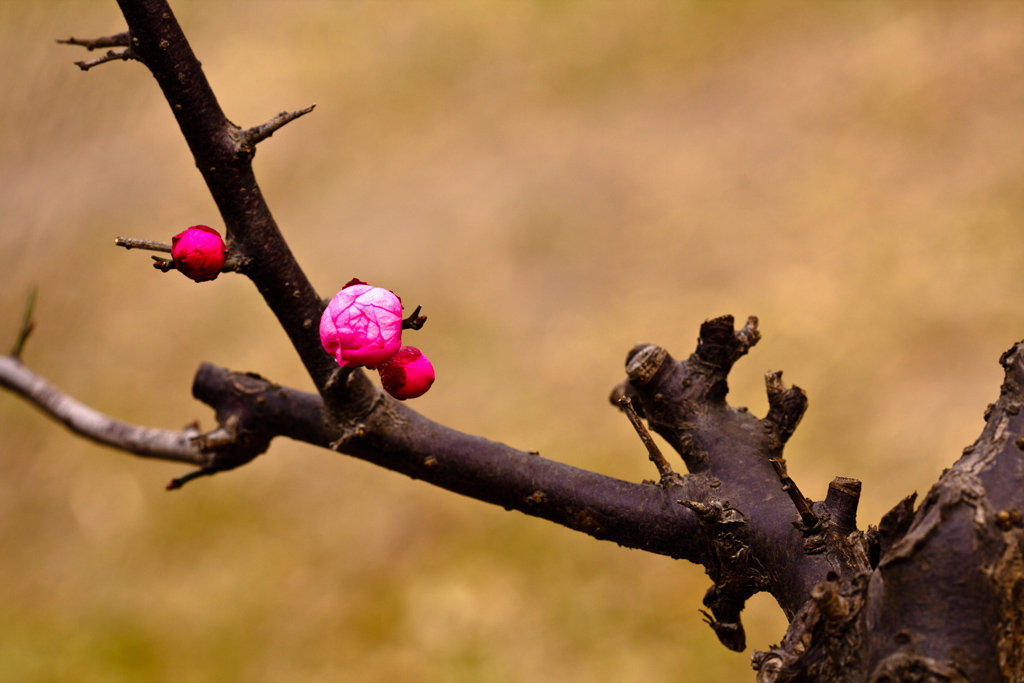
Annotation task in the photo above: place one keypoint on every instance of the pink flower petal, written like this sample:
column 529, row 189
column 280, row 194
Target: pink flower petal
column 362, row 325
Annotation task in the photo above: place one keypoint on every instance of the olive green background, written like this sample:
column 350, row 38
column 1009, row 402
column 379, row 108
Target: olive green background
column 553, row 181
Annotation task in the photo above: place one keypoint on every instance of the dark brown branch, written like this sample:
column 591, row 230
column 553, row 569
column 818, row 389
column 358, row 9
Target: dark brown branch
column 414, row 321
column 386, row 432
column 252, row 235
column 251, row 411
column 749, row 523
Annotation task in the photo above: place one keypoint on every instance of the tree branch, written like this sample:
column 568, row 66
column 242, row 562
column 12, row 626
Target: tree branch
column 81, row 419
column 251, row 232
column 858, row 606
column 252, row 410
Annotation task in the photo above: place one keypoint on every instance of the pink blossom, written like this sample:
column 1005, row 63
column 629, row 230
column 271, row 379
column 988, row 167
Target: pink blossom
column 408, row 374
column 362, row 325
column 198, row 253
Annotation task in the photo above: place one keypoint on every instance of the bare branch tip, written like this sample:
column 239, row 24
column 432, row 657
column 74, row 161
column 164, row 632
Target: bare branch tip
column 116, row 40
column 178, row 482
column 415, row 321
column 134, row 243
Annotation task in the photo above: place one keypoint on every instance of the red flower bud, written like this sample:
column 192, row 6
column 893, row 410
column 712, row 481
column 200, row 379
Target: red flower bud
column 408, row 374
column 198, row 253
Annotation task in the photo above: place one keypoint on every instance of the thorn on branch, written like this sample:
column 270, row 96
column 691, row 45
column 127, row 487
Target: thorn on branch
column 249, row 138
column 415, row 321
column 178, row 482
column 27, row 325
column 808, row 519
column 116, row 40
column 664, row 469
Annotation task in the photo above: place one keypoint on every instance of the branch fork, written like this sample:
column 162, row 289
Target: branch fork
column 116, row 40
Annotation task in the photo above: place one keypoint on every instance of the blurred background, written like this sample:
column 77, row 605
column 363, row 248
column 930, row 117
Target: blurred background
column 553, row 181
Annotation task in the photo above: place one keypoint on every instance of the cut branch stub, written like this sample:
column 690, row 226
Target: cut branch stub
column 841, row 501
column 719, row 347
column 643, row 362
column 786, row 407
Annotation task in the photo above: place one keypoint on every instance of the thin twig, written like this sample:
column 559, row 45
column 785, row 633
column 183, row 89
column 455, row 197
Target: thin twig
column 90, row 423
column 27, row 325
column 116, row 40
column 135, row 243
column 807, row 516
column 111, row 56
column 414, row 321
column 178, row 482
column 664, row 469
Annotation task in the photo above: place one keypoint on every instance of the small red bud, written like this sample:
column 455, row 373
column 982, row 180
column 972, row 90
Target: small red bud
column 199, row 253
column 408, row 374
